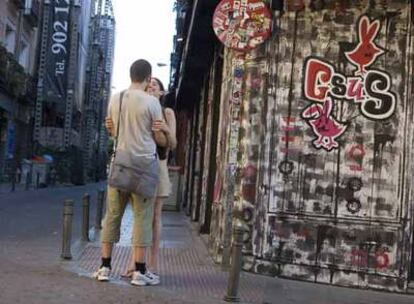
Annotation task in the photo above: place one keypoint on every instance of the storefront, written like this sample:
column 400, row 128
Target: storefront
column 314, row 144
column 7, row 133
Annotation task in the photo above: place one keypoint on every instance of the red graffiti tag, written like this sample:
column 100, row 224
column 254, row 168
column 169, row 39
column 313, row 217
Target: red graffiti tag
column 288, row 125
column 356, row 154
column 359, row 258
column 382, row 260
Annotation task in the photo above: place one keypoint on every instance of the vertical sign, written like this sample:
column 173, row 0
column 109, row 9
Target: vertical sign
column 10, row 140
column 58, row 47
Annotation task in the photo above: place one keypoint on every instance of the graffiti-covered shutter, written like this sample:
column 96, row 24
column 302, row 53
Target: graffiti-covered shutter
column 341, row 144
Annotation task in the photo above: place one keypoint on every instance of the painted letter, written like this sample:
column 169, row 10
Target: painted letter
column 381, row 102
column 317, row 79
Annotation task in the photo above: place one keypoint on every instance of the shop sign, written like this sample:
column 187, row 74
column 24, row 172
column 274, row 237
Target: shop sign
column 10, row 140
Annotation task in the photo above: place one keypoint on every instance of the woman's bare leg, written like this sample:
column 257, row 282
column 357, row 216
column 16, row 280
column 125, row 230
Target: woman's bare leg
column 156, row 235
column 131, row 266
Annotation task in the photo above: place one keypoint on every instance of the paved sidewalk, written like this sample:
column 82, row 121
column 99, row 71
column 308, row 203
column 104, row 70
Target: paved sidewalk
column 6, row 188
column 188, row 273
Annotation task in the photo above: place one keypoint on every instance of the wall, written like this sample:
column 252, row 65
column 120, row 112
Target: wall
column 323, row 180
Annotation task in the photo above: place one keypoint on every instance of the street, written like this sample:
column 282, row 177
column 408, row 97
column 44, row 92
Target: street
column 32, row 271
column 30, row 245
column 282, row 130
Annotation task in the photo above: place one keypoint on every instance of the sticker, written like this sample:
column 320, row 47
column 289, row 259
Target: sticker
column 242, row 25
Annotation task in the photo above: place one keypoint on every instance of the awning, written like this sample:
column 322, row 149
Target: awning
column 198, row 53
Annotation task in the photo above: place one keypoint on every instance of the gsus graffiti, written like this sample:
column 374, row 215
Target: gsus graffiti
column 369, row 89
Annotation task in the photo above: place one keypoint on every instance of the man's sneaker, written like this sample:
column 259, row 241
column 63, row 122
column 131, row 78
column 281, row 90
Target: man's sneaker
column 155, row 275
column 148, row 278
column 102, row 274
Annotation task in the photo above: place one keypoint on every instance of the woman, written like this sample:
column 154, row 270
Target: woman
column 168, row 126
column 164, row 187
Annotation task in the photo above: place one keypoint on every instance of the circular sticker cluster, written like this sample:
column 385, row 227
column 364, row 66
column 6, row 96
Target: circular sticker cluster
column 242, row 24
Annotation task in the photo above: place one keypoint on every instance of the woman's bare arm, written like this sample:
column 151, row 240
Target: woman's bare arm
column 172, row 125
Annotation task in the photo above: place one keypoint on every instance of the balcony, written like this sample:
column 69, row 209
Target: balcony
column 31, row 11
column 30, row 92
column 13, row 78
column 19, row 3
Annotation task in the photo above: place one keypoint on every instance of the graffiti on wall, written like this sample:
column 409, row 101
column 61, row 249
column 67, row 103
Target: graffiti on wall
column 379, row 259
column 326, row 88
column 336, row 217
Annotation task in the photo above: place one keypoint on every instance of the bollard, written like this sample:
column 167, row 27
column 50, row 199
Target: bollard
column 13, row 186
column 37, row 180
column 85, row 217
column 67, row 229
column 236, row 264
column 99, row 209
column 26, row 187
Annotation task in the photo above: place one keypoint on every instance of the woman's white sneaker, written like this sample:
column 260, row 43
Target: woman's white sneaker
column 103, row 274
column 148, row 278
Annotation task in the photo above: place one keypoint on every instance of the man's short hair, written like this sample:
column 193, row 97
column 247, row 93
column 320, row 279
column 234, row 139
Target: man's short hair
column 140, row 70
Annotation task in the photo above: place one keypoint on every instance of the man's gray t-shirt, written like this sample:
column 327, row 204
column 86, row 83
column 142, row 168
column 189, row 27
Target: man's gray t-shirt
column 139, row 111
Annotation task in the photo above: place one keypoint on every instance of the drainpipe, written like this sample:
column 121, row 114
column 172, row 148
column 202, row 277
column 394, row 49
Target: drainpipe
column 17, row 47
column 17, row 44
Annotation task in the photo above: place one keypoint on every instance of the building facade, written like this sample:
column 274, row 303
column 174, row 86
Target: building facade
column 306, row 140
column 74, row 81
column 18, row 62
column 98, row 89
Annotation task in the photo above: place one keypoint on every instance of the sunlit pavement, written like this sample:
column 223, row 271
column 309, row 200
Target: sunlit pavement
column 188, row 272
column 185, row 269
column 31, row 271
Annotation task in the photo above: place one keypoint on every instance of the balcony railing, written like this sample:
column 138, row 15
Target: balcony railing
column 20, row 3
column 31, row 11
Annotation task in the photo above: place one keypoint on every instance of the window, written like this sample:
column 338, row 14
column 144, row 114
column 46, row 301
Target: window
column 10, row 38
column 24, row 54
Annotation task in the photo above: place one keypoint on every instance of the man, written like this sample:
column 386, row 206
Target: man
column 139, row 113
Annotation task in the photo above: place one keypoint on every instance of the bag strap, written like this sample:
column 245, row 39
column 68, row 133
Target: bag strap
column 119, row 120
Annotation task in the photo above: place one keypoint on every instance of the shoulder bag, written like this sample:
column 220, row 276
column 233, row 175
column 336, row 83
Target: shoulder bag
column 132, row 173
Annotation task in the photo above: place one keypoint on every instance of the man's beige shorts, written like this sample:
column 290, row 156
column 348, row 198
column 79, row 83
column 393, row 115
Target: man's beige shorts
column 143, row 213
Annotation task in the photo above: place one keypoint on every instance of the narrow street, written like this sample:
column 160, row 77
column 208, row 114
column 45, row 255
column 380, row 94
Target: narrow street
column 32, row 272
column 277, row 133
column 30, row 246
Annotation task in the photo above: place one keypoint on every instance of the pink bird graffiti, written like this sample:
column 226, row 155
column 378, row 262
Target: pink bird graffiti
column 326, row 127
